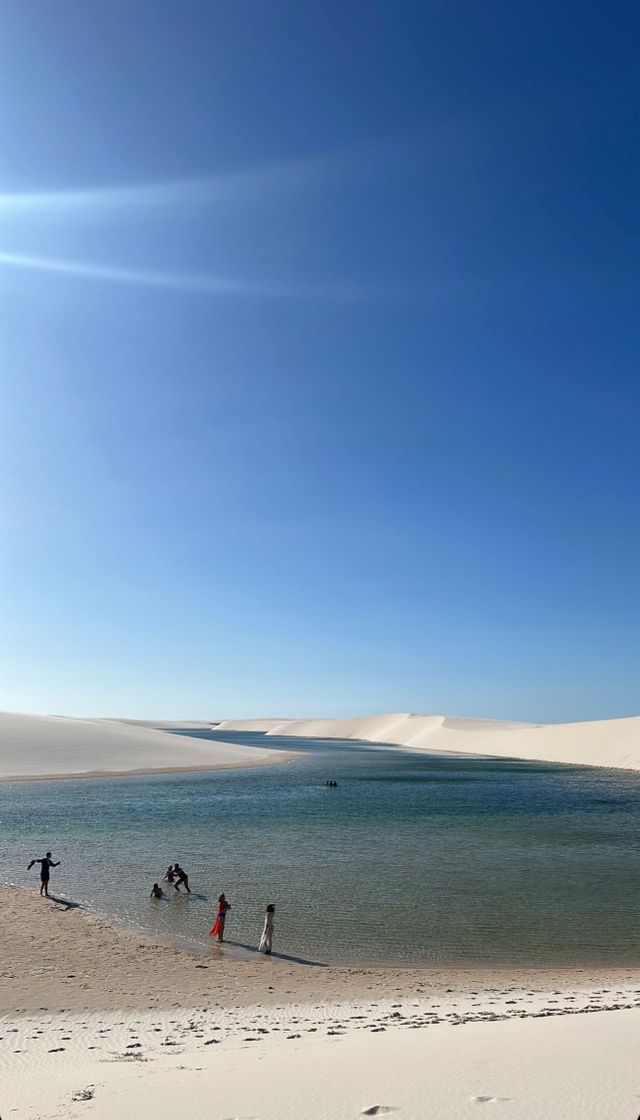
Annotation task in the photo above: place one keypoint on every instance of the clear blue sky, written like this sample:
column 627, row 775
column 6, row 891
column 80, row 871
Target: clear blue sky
column 319, row 358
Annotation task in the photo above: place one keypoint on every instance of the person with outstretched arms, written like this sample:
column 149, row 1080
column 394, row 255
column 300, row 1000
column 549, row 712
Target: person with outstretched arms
column 46, row 863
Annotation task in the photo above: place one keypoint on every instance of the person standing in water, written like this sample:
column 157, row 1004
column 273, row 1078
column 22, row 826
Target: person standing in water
column 45, row 864
column 266, row 941
column 217, row 930
column 181, row 877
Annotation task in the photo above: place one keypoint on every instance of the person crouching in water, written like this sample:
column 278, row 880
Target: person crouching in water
column 156, row 891
column 266, row 941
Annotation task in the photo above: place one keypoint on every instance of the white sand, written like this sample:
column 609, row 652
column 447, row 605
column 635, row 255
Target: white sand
column 57, row 747
column 252, row 724
column 181, row 1065
column 611, row 742
column 96, row 1021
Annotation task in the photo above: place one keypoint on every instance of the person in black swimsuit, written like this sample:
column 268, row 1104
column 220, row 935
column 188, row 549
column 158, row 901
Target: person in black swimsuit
column 45, row 864
column 181, row 877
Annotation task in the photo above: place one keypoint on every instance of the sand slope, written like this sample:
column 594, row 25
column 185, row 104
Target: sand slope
column 251, row 724
column 57, row 746
column 582, row 1067
column 611, row 742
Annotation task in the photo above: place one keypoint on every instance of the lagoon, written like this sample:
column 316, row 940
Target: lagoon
column 415, row 859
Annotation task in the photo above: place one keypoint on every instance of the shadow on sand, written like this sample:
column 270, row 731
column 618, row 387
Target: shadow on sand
column 63, row 903
column 274, row 956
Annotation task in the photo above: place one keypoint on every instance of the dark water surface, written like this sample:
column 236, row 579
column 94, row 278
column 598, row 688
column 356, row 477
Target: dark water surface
column 413, row 859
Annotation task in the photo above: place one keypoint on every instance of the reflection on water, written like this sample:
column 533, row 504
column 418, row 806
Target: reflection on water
column 412, row 859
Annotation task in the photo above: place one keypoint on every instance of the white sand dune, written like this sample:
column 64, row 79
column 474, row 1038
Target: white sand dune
column 170, row 724
column 251, row 724
column 610, row 742
column 58, row 747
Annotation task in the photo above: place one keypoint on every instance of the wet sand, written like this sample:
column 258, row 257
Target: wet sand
column 58, row 956
column 100, row 1021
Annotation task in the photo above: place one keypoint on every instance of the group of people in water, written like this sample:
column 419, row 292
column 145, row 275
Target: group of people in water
column 177, row 877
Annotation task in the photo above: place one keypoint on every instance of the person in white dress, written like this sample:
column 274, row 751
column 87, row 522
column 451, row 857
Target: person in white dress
column 266, row 940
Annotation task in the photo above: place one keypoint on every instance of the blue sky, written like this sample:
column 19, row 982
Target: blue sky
column 319, row 359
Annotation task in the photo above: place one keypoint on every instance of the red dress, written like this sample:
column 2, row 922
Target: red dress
column 218, row 927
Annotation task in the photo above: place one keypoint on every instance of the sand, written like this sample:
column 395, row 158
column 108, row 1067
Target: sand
column 57, row 955
column 38, row 747
column 583, row 1068
column 98, row 1021
column 274, row 725
column 611, row 743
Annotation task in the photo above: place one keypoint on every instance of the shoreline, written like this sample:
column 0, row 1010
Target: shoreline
column 242, row 953
column 148, row 771
column 53, row 748
column 99, row 1020
column 77, row 960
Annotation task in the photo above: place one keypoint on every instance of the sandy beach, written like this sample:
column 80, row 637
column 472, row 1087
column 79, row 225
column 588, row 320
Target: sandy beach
column 99, row 1012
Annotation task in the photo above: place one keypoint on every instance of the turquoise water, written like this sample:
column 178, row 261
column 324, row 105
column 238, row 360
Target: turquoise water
column 414, row 859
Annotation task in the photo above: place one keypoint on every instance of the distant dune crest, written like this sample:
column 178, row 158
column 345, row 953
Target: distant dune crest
column 61, row 746
column 612, row 742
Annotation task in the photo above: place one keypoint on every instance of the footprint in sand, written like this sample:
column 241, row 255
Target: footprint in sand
column 84, row 1094
column 489, row 1100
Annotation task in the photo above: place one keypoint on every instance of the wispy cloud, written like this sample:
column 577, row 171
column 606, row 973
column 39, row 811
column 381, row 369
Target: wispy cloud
column 203, row 283
column 104, row 205
column 243, row 186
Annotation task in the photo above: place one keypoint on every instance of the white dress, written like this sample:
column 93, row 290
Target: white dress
column 267, row 934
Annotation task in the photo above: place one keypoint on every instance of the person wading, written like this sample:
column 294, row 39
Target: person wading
column 217, row 930
column 181, row 878
column 46, row 863
column 266, row 941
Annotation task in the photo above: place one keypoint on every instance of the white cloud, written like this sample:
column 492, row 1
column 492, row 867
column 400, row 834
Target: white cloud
column 202, row 283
